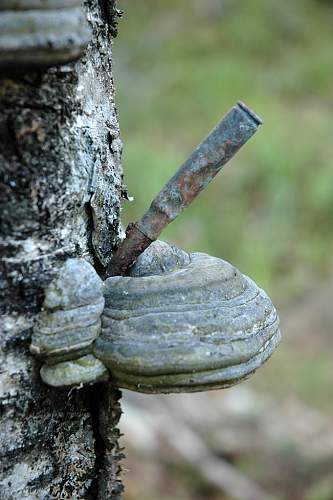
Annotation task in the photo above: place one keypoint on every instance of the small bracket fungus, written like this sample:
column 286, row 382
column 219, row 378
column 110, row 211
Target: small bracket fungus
column 36, row 34
column 163, row 321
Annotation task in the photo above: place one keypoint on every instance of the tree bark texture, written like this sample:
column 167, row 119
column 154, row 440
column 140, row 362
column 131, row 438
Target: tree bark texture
column 60, row 188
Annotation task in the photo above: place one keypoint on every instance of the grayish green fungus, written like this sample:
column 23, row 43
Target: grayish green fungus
column 176, row 323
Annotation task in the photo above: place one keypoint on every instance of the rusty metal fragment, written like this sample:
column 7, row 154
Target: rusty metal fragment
column 223, row 142
column 128, row 251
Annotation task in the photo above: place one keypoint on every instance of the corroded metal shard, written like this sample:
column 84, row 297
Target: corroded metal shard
column 196, row 324
column 37, row 34
column 204, row 163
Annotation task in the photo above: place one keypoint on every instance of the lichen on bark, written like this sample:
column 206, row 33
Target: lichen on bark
column 60, row 194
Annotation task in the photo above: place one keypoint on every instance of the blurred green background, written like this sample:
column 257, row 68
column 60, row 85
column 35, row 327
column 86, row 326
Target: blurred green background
column 179, row 66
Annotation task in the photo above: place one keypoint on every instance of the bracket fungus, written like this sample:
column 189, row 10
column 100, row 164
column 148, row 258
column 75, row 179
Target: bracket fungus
column 36, row 34
column 176, row 323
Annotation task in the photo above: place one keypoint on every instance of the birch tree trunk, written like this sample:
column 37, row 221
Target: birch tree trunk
column 60, row 189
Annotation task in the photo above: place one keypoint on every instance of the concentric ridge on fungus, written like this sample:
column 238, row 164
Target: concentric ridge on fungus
column 179, row 323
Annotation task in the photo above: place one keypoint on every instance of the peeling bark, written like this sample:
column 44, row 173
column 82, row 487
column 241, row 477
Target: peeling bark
column 60, row 194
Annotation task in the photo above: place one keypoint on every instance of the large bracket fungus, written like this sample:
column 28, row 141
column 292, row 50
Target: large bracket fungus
column 176, row 323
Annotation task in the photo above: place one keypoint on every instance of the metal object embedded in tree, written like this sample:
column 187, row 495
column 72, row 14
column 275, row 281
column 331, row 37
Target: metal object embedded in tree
column 233, row 131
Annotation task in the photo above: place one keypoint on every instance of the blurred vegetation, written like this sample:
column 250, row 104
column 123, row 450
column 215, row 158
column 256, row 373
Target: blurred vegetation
column 180, row 65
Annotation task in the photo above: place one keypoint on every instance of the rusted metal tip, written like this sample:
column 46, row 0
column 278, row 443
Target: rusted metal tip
column 250, row 113
column 127, row 252
column 223, row 142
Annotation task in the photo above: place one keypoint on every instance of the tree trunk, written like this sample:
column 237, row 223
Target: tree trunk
column 60, row 188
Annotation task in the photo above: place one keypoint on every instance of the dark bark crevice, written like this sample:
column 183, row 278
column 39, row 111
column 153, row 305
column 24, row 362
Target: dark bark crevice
column 105, row 411
column 99, row 445
column 111, row 15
